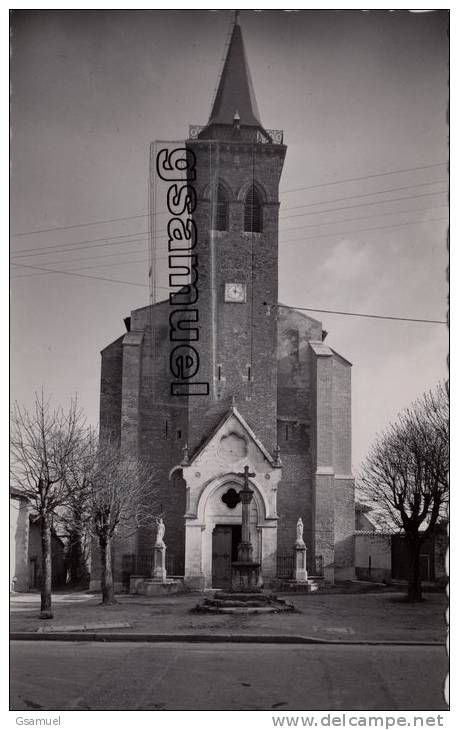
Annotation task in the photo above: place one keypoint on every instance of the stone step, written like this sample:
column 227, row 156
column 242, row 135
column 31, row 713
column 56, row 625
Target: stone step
column 293, row 586
column 233, row 604
column 280, row 608
column 244, row 597
column 229, row 602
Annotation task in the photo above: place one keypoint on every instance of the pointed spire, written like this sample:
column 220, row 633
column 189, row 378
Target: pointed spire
column 235, row 95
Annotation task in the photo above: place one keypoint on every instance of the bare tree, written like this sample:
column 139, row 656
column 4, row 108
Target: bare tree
column 406, row 474
column 120, row 498
column 44, row 445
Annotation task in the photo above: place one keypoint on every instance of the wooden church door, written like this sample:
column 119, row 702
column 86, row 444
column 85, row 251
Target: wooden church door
column 221, row 556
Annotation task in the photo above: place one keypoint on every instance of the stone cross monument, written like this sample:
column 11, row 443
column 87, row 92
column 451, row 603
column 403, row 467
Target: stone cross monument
column 245, row 549
column 245, row 573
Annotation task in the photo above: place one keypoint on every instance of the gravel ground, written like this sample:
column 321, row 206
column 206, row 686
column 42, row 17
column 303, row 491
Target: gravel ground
column 381, row 616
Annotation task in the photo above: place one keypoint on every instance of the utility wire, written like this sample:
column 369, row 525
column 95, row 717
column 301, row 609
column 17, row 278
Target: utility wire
column 363, row 217
column 362, row 205
column 366, row 195
column 294, row 228
column 305, row 309
column 370, row 316
column 362, row 230
column 292, row 190
column 82, row 276
column 89, row 245
column 23, row 252
column 84, row 268
column 363, row 177
column 93, row 258
column 288, row 240
column 110, row 240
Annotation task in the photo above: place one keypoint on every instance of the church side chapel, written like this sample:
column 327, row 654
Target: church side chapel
column 259, row 470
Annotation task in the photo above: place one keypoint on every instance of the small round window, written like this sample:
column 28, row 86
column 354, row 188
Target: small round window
column 231, row 498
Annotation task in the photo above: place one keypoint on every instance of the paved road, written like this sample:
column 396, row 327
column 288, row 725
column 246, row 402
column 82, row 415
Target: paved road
column 129, row 676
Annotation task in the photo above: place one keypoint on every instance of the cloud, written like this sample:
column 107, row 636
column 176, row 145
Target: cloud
column 347, row 260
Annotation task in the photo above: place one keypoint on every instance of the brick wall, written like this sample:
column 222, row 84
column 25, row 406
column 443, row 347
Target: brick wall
column 237, row 335
column 110, row 389
column 341, row 399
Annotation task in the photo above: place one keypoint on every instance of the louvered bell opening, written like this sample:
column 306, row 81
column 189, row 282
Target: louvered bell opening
column 221, row 213
column 252, row 211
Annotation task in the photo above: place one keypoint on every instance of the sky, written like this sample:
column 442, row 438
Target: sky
column 362, row 99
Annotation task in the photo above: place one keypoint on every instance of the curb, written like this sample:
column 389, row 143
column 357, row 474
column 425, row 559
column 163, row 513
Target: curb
column 205, row 639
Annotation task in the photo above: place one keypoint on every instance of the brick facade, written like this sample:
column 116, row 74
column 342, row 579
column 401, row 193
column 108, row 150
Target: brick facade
column 313, row 430
column 291, row 390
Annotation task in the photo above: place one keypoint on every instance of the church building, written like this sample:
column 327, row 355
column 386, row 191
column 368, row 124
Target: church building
column 279, row 396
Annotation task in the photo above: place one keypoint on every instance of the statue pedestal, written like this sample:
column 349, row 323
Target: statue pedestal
column 158, row 572
column 159, row 584
column 152, row 587
column 300, row 574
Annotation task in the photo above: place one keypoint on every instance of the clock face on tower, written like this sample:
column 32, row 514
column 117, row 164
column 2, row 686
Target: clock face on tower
column 234, row 292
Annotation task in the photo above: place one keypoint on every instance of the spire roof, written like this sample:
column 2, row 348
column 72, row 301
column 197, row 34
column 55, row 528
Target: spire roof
column 235, row 96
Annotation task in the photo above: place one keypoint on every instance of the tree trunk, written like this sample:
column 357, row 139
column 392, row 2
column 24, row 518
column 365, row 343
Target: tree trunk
column 414, row 575
column 108, row 593
column 46, row 568
column 77, row 571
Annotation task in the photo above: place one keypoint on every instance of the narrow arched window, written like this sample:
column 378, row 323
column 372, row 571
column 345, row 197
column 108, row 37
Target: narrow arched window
column 221, row 213
column 252, row 211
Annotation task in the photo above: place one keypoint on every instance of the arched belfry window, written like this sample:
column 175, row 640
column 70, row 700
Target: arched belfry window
column 252, row 211
column 221, row 213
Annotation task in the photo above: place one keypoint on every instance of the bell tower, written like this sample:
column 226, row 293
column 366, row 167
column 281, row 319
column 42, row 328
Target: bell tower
column 238, row 168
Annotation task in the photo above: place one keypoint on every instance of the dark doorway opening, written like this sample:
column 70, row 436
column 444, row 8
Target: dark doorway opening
column 225, row 541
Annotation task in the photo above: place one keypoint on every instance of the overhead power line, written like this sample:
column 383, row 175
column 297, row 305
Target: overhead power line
column 84, row 268
column 79, row 225
column 363, row 205
column 93, row 258
column 82, row 276
column 364, row 177
column 306, row 309
column 288, row 240
column 370, row 316
column 292, row 190
column 89, row 244
column 25, row 252
column 113, row 240
column 365, row 217
column 134, row 238
column 365, row 195
column 362, row 230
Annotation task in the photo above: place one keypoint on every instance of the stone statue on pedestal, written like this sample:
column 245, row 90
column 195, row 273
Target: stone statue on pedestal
column 159, row 552
column 299, row 532
column 160, row 532
column 300, row 574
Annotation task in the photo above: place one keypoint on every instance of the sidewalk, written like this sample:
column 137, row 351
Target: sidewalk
column 371, row 617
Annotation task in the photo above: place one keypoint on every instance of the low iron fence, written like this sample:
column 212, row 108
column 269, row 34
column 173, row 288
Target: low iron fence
column 142, row 564
column 286, row 565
